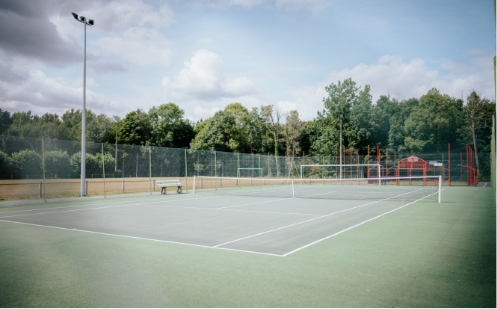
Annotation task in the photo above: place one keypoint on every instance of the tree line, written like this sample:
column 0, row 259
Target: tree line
column 416, row 125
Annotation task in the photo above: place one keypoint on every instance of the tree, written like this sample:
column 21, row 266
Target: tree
column 136, row 128
column 169, row 128
column 352, row 105
column 254, row 131
column 227, row 130
column 396, row 132
column 272, row 120
column 477, row 116
column 292, row 133
column 433, row 122
column 382, row 116
column 360, row 131
column 71, row 123
column 5, row 121
column 99, row 128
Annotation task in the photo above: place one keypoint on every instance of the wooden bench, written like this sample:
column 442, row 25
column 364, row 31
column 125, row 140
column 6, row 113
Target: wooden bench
column 163, row 184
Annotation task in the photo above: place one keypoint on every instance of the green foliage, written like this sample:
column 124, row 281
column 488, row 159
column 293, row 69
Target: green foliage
column 353, row 106
column 233, row 129
column 6, row 165
column 93, row 164
column 433, row 122
column 27, row 164
column 136, row 128
column 5, row 121
column 169, row 128
column 57, row 164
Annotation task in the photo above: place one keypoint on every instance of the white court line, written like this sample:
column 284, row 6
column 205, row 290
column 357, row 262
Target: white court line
column 244, row 210
column 356, row 225
column 126, row 204
column 269, row 201
column 305, row 221
column 233, row 191
column 148, row 204
column 140, row 238
column 123, row 204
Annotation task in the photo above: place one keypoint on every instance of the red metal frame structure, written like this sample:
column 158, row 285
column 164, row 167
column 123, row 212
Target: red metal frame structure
column 410, row 164
column 471, row 171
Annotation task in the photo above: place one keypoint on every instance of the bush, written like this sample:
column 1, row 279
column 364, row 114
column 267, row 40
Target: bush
column 27, row 164
column 57, row 164
column 6, row 166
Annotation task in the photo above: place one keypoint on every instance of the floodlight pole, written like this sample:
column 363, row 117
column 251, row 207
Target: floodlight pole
column 82, row 19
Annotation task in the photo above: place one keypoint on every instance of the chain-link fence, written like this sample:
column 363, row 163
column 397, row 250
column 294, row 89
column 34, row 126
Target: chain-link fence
column 48, row 168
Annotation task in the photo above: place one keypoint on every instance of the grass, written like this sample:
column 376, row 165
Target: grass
column 423, row 255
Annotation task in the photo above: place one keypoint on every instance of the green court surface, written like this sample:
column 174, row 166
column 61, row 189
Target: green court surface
column 210, row 251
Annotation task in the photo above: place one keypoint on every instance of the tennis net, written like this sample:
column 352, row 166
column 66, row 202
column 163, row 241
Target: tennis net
column 386, row 188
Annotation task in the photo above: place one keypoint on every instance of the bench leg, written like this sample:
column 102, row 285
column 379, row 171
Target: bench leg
column 163, row 190
column 179, row 190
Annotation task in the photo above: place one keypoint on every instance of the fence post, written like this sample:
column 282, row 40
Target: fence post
column 43, row 164
column 40, row 188
column 86, row 189
column 150, row 167
column 103, row 168
column 215, row 164
column 186, row 173
column 123, row 185
column 448, row 161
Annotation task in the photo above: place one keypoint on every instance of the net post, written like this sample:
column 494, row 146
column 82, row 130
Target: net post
column 293, row 189
column 194, row 183
column 379, row 174
column 439, row 189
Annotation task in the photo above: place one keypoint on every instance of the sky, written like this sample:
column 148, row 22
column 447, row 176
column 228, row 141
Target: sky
column 205, row 54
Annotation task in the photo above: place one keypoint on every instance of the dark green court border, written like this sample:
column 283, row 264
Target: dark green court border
column 423, row 255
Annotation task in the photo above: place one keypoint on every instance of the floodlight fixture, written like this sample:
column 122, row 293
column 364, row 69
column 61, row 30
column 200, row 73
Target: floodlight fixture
column 82, row 19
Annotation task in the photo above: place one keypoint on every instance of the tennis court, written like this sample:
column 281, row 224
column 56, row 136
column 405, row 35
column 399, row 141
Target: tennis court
column 248, row 219
column 230, row 248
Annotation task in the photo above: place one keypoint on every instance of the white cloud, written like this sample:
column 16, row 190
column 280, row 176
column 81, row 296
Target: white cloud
column 307, row 100
column 200, row 112
column 238, row 86
column 202, row 75
column 41, row 94
column 286, row 106
column 138, row 45
column 202, row 78
column 110, row 16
